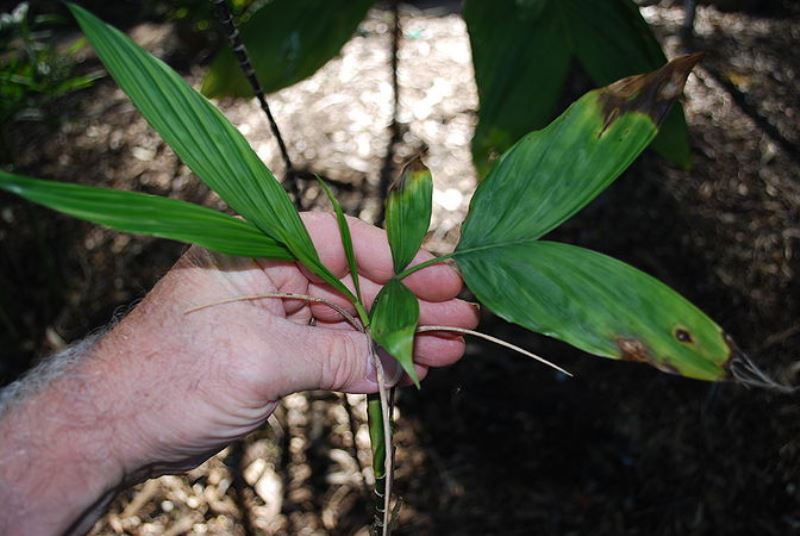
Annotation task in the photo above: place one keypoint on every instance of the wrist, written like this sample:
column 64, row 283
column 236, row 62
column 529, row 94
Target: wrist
column 174, row 378
column 57, row 461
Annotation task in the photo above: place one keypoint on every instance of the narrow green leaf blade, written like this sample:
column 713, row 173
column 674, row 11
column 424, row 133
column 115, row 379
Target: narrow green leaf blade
column 149, row 215
column 395, row 314
column 521, row 61
column 204, row 140
column 288, row 41
column 347, row 239
column 551, row 174
column 598, row 304
column 408, row 213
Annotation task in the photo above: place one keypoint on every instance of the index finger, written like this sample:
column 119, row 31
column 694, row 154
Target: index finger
column 438, row 282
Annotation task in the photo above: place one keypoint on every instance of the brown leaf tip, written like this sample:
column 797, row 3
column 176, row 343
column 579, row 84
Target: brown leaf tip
column 409, row 170
column 651, row 93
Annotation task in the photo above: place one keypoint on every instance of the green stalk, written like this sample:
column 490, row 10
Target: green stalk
column 378, row 446
column 416, row 268
column 362, row 313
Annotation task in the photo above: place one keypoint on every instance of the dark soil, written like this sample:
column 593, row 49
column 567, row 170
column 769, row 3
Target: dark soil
column 494, row 444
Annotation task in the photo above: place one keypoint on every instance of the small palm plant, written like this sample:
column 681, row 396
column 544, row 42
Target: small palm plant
column 596, row 303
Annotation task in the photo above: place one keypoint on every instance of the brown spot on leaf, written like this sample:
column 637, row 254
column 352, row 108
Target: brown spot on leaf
column 410, row 168
column 683, row 335
column 651, row 93
column 634, row 350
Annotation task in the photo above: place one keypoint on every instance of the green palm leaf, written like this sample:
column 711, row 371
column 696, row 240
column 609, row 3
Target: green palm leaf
column 204, row 140
column 408, row 213
column 591, row 301
column 393, row 323
column 349, row 251
column 551, row 174
column 149, row 215
column 598, row 304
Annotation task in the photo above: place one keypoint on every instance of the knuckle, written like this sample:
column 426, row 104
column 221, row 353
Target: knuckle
column 342, row 364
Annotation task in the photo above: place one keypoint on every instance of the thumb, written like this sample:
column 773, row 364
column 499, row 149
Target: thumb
column 338, row 360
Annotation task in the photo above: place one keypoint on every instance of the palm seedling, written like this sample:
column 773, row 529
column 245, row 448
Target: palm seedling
column 591, row 301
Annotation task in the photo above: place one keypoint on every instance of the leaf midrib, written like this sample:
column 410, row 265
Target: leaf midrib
column 476, row 249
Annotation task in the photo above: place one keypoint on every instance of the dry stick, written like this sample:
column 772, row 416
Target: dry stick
column 747, row 106
column 385, row 178
column 225, row 17
column 423, row 329
column 689, row 14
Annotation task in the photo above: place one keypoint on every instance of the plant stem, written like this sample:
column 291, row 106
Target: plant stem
column 417, row 267
column 386, row 422
column 362, row 313
column 378, row 448
column 225, row 17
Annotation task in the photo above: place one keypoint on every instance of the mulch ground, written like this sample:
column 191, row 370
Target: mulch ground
column 495, row 444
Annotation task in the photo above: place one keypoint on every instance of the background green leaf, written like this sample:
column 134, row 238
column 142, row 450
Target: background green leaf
column 521, row 63
column 394, row 318
column 204, row 140
column 288, row 40
column 408, row 213
column 598, row 304
column 150, row 215
column 522, row 52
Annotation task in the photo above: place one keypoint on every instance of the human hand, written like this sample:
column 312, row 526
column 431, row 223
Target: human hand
column 167, row 387
column 202, row 379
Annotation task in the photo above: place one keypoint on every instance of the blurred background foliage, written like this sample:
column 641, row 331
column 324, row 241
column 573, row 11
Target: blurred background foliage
column 35, row 66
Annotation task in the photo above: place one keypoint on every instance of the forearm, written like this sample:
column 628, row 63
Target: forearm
column 57, row 465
